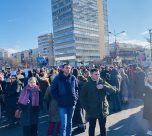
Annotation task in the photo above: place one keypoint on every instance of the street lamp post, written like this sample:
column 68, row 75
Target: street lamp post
column 150, row 41
column 115, row 42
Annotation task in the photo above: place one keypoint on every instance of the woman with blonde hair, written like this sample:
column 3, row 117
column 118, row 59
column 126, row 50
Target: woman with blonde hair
column 28, row 106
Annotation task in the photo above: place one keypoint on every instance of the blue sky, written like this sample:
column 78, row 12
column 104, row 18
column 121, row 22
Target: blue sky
column 22, row 21
column 132, row 16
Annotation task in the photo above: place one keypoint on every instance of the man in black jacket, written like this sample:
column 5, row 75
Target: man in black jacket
column 93, row 97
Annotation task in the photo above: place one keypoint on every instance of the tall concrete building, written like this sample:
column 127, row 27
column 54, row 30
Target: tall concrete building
column 103, row 28
column 45, row 47
column 79, row 30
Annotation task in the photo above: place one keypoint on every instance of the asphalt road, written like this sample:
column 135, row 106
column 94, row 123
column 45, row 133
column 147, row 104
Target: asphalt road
column 128, row 122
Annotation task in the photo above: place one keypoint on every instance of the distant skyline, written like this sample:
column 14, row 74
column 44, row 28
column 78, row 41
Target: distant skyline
column 22, row 21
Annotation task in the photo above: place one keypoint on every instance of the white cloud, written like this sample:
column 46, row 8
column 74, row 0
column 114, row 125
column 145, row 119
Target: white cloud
column 13, row 50
column 135, row 42
column 144, row 33
column 123, row 38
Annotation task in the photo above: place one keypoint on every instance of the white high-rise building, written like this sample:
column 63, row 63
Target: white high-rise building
column 80, row 30
column 45, row 47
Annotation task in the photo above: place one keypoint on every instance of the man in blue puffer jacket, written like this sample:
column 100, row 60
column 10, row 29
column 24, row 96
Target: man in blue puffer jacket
column 64, row 89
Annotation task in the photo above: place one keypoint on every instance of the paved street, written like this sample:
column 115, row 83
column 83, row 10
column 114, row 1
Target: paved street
column 128, row 122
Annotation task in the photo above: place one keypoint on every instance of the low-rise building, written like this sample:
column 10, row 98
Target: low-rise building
column 130, row 53
column 25, row 58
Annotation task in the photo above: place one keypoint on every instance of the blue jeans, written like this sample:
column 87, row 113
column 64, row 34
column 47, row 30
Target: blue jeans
column 66, row 115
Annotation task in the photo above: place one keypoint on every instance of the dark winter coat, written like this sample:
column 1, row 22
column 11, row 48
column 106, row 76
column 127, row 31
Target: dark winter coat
column 80, row 85
column 105, row 75
column 114, row 80
column 65, row 90
column 13, row 89
column 43, row 84
column 94, row 100
column 2, row 87
column 78, row 115
column 139, row 79
column 30, row 114
column 2, row 91
column 11, row 97
column 147, row 113
column 53, row 106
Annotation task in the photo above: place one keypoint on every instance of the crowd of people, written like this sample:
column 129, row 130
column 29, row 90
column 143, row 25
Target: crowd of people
column 72, row 96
